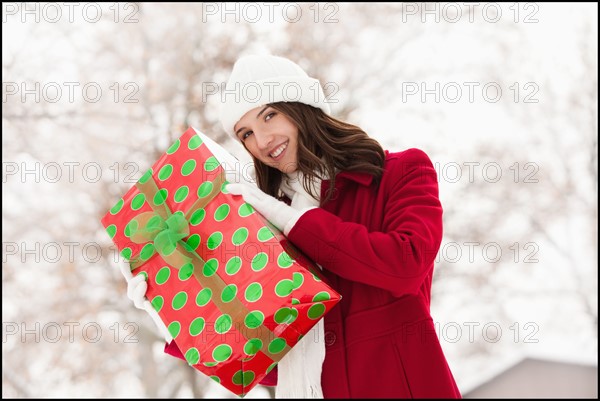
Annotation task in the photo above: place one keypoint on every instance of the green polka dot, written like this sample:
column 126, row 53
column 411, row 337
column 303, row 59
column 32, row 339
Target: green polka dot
column 211, row 164
column 203, row 297
column 173, row 148
column 233, row 265
column 192, row 356
column 131, row 228
column 223, row 324
column 147, row 252
column 181, row 193
column 242, row 378
column 253, row 346
column 259, row 261
column 165, row 172
column 187, row 247
column 205, row 189
column 160, row 197
column 284, row 288
column 254, row 319
column 197, row 326
column 174, row 329
column 126, row 253
column 193, row 241
column 247, row 359
column 195, row 142
column 224, row 187
column 214, row 240
column 295, row 301
column 285, row 316
column 277, row 345
column 297, row 279
column 146, row 176
column 229, row 293
column 264, row 234
column 239, row 236
column 322, row 296
column 197, row 217
column 188, row 167
column 245, row 210
column 117, row 207
column 157, row 303
column 179, row 300
column 138, row 201
column 143, row 274
column 163, row 275
column 271, row 366
column 211, row 364
column 111, row 230
column 216, row 378
column 316, row 311
column 222, row 212
column 222, row 352
column 186, row 272
column 253, row 292
column 210, row 267
column 284, row 260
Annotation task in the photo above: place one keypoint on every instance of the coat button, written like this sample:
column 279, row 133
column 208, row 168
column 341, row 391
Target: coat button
column 330, row 338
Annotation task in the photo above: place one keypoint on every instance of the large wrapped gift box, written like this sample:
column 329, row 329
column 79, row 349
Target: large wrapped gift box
column 235, row 295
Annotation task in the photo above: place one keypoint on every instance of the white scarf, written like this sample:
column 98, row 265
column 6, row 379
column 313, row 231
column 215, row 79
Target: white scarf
column 299, row 371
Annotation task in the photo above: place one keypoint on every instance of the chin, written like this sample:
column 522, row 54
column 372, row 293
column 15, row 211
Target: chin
column 289, row 168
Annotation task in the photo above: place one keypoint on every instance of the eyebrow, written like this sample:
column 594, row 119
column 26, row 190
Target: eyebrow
column 257, row 116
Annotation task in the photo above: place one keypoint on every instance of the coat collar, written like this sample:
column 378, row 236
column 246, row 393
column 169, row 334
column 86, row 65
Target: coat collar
column 361, row 178
column 358, row 177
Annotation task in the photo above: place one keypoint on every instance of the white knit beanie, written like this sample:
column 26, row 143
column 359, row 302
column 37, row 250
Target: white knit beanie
column 259, row 80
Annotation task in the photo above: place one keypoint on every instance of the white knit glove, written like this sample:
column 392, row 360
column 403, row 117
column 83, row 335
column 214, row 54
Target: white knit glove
column 136, row 291
column 277, row 212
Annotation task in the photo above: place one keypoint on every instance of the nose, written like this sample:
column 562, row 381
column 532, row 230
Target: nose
column 264, row 139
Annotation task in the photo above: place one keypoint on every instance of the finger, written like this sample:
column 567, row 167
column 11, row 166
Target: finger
column 254, row 200
column 125, row 271
column 139, row 294
column 140, row 278
column 234, row 188
column 133, row 283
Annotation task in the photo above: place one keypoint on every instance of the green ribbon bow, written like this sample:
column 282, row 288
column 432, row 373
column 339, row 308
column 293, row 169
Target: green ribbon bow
column 164, row 234
column 177, row 228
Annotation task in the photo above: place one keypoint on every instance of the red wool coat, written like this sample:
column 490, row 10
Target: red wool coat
column 377, row 246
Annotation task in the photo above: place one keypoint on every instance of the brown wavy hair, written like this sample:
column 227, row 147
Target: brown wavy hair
column 325, row 145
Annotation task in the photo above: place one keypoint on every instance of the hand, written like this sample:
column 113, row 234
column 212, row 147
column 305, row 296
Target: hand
column 136, row 291
column 278, row 213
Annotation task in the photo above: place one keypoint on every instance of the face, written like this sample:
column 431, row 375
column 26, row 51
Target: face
column 271, row 137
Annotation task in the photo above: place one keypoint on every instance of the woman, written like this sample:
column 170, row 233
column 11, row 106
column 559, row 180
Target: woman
column 375, row 235
column 371, row 219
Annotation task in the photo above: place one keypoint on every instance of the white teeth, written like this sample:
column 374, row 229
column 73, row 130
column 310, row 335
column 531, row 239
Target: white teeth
column 278, row 151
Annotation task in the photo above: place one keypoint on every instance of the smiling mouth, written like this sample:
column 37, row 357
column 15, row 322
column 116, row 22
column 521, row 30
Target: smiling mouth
column 279, row 150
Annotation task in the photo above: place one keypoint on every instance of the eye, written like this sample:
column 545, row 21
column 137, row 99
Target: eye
column 246, row 135
column 270, row 115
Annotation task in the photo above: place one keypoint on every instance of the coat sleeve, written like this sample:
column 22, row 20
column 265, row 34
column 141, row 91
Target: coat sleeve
column 401, row 255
